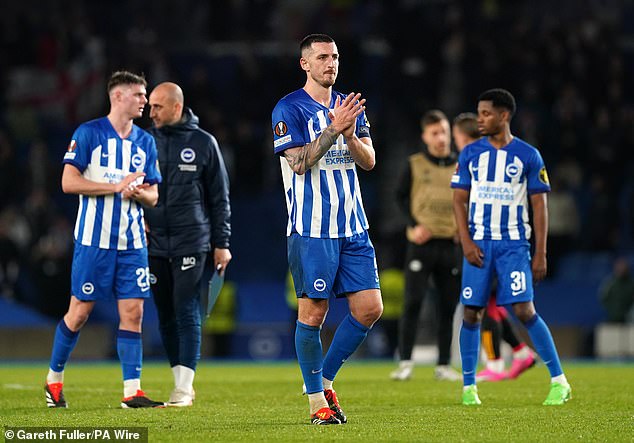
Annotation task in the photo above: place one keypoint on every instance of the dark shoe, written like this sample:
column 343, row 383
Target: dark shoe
column 140, row 401
column 325, row 416
column 333, row 404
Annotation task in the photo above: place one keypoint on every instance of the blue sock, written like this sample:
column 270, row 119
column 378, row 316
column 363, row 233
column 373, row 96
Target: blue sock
column 350, row 334
column 469, row 350
column 63, row 344
column 309, row 356
column 130, row 350
column 544, row 344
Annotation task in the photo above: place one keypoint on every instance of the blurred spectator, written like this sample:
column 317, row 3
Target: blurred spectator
column 17, row 226
column 50, row 261
column 9, row 171
column 9, row 262
column 617, row 292
column 600, row 226
column 563, row 222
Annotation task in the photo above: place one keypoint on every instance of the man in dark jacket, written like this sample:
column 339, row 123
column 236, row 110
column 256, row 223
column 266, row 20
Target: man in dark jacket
column 188, row 228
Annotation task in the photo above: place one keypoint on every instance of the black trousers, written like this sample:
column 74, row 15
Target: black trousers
column 177, row 285
column 440, row 259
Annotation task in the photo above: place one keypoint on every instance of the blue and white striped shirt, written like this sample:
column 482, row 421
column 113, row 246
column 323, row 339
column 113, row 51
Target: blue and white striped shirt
column 108, row 221
column 500, row 181
column 324, row 202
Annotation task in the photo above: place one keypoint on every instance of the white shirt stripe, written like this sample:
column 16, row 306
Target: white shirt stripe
column 91, row 173
column 300, row 182
column 358, row 198
column 135, row 213
column 123, row 224
column 478, row 217
column 315, row 226
column 80, row 210
column 347, row 205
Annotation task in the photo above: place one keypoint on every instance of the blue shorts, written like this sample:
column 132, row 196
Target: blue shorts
column 325, row 266
column 100, row 274
column 510, row 260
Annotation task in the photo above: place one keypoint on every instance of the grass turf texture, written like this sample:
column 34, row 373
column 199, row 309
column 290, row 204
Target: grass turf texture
column 263, row 402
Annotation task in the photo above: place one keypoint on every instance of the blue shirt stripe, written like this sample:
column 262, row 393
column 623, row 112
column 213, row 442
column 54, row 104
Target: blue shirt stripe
column 325, row 205
column 341, row 214
column 353, row 213
column 116, row 221
column 98, row 222
column 307, row 210
column 504, row 221
column 520, row 226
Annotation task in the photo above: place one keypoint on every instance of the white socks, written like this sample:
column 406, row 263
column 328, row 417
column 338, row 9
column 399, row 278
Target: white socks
column 561, row 379
column 130, row 387
column 54, row 377
column 183, row 378
column 317, row 401
column 327, row 383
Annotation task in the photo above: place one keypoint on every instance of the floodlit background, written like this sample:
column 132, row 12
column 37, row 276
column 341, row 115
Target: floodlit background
column 569, row 64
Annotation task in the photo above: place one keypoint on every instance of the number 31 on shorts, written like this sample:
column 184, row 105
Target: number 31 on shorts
column 518, row 283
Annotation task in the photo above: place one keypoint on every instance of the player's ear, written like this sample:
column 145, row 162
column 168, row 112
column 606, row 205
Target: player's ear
column 115, row 94
column 303, row 63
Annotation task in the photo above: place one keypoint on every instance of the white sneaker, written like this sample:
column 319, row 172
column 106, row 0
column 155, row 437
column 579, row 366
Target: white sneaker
column 403, row 372
column 447, row 373
column 180, row 398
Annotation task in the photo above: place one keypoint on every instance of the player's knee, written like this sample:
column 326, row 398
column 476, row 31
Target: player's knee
column 313, row 319
column 377, row 311
column 313, row 315
column 524, row 311
column 473, row 315
column 76, row 319
column 132, row 315
column 370, row 314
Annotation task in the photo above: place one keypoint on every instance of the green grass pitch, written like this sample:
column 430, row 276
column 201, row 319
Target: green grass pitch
column 263, row 402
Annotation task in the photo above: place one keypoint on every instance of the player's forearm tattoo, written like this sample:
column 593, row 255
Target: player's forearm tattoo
column 303, row 159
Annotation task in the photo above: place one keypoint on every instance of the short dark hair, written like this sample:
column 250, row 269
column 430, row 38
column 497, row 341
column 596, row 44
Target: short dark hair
column 314, row 38
column 468, row 123
column 125, row 78
column 431, row 117
column 501, row 98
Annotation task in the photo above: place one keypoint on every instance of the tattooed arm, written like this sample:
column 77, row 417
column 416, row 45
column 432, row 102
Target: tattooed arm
column 344, row 116
column 302, row 158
